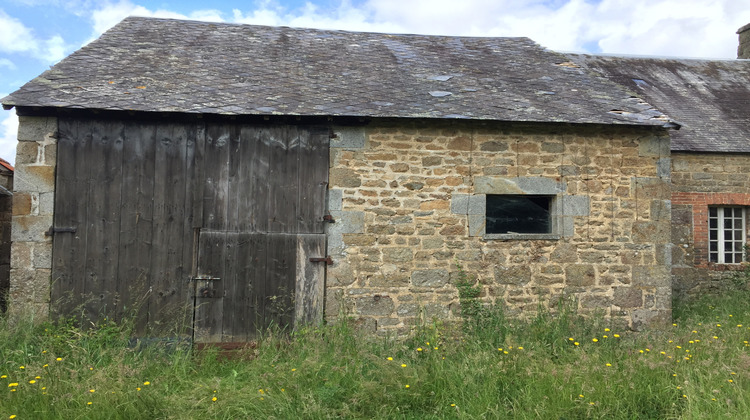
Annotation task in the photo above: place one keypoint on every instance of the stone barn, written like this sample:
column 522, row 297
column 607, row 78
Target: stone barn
column 212, row 179
column 710, row 157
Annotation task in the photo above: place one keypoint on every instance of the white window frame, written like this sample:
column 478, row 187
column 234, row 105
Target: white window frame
column 727, row 234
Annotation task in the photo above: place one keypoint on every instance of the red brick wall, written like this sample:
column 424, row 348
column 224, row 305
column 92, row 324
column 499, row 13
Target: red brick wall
column 700, row 202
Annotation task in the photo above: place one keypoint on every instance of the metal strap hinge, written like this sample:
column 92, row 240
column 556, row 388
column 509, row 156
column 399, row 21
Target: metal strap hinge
column 52, row 230
column 328, row 260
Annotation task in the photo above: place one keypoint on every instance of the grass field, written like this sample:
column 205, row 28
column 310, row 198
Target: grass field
column 548, row 367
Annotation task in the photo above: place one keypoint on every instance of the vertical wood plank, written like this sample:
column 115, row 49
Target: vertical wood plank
column 106, row 208
column 227, row 286
column 208, row 317
column 104, row 159
column 251, row 197
column 231, row 225
column 217, row 177
column 165, row 302
column 313, row 179
column 195, row 135
column 279, row 285
column 70, row 198
column 198, row 174
column 133, row 276
column 283, row 179
column 309, row 280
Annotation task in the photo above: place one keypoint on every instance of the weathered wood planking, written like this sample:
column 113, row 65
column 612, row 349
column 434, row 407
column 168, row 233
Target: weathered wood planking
column 103, row 218
column 279, row 287
column 216, row 171
column 166, row 304
column 309, row 279
column 209, row 302
column 134, row 275
column 252, row 209
column 156, row 203
column 283, row 184
column 71, row 194
column 313, row 180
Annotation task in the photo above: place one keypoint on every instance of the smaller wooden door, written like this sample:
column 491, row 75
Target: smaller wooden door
column 248, row 282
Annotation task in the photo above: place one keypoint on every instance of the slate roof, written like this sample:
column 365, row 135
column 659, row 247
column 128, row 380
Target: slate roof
column 163, row 65
column 710, row 99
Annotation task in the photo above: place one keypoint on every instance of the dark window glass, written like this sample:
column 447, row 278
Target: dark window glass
column 518, row 214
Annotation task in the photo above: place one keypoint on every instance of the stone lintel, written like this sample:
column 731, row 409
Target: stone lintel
column 348, row 137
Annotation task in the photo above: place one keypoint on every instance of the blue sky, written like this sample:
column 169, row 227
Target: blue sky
column 35, row 34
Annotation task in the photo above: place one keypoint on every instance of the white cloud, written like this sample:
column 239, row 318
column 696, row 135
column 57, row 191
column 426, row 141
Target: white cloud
column 15, row 37
column 110, row 14
column 54, row 49
column 8, row 135
column 4, row 62
column 696, row 28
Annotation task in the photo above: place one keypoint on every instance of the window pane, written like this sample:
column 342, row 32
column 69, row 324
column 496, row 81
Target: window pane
column 712, row 211
column 518, row 214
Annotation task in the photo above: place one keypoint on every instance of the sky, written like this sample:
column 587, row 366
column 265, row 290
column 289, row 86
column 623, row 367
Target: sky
column 35, row 34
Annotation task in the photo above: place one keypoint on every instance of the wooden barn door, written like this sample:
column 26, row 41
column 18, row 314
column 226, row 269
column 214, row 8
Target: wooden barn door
column 263, row 207
column 123, row 222
column 189, row 229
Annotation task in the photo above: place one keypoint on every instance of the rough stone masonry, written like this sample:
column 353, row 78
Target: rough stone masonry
column 409, row 200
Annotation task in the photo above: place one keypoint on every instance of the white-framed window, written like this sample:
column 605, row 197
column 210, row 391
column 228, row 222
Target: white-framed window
column 726, row 234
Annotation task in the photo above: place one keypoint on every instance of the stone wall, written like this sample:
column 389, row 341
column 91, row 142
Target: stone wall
column 701, row 180
column 33, row 199
column 409, row 197
column 743, row 50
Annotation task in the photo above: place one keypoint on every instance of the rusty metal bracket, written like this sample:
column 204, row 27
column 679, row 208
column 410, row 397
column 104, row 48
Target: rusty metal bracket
column 328, row 260
column 329, row 219
column 53, row 230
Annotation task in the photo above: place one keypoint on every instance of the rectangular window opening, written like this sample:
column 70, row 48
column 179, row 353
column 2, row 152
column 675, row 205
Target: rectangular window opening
column 519, row 214
column 727, row 234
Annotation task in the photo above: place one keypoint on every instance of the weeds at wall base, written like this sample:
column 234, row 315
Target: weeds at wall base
column 549, row 366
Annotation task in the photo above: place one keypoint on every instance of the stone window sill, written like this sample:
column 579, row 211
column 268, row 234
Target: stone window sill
column 521, row 236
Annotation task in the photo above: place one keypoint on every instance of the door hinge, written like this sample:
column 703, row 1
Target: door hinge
column 52, row 230
column 328, row 260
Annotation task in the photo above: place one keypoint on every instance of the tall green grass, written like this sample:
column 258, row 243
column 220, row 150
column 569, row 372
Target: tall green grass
column 557, row 366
